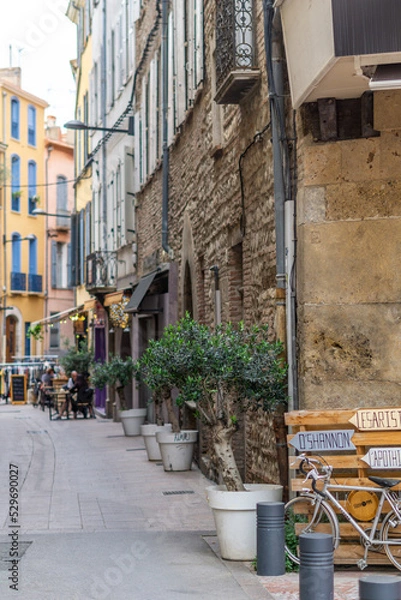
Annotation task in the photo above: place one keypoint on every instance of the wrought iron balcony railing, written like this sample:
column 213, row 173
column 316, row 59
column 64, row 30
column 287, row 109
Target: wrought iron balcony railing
column 101, row 271
column 18, row 282
column 34, row 283
column 236, row 69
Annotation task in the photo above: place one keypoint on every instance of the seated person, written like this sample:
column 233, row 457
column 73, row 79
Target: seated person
column 81, row 393
column 67, row 387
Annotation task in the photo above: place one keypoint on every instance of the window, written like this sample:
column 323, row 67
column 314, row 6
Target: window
column 54, row 333
column 33, row 256
column 32, row 125
column 60, row 265
column 62, row 201
column 16, row 252
column 15, row 182
column 31, row 186
column 15, row 118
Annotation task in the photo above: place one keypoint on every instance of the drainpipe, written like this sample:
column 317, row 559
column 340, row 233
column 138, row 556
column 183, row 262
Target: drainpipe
column 284, row 204
column 165, row 187
column 104, row 118
column 47, row 239
column 4, row 337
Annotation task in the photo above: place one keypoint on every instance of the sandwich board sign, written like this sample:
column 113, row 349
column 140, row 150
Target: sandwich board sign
column 323, row 441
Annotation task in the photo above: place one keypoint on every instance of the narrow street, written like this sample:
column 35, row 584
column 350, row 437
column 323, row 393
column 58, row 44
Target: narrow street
column 91, row 518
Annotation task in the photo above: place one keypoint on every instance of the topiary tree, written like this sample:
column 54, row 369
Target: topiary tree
column 225, row 372
column 117, row 372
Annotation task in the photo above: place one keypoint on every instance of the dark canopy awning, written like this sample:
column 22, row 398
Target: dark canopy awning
column 139, row 293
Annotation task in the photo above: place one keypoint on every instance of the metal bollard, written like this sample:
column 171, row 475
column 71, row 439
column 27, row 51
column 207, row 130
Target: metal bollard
column 316, row 572
column 270, row 538
column 377, row 587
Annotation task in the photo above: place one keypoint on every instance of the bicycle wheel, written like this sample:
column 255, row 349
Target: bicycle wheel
column 303, row 515
column 391, row 537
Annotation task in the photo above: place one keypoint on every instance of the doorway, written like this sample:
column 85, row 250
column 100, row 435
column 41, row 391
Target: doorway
column 11, row 338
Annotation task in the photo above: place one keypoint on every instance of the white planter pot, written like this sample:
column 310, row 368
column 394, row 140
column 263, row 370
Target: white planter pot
column 132, row 420
column 177, row 449
column 235, row 517
column 148, row 432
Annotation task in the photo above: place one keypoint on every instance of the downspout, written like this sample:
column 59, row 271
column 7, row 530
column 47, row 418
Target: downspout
column 4, row 336
column 104, row 118
column 284, row 204
column 165, row 186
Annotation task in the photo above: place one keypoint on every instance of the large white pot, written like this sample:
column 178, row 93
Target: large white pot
column 132, row 420
column 177, row 449
column 148, row 432
column 235, row 517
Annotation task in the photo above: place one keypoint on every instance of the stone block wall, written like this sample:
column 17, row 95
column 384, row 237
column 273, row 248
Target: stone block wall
column 232, row 231
column 349, row 285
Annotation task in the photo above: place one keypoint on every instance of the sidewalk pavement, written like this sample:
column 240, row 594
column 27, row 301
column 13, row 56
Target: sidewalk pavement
column 94, row 519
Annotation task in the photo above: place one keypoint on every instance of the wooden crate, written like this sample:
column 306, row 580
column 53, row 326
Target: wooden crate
column 349, row 469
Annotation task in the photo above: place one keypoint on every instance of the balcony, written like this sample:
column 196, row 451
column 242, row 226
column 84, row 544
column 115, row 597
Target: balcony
column 18, row 282
column 101, row 272
column 236, row 70
column 333, row 47
column 35, row 283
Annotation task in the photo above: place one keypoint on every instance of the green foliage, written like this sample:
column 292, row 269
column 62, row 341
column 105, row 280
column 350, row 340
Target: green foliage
column 35, row 331
column 291, row 539
column 77, row 359
column 117, row 372
column 224, row 372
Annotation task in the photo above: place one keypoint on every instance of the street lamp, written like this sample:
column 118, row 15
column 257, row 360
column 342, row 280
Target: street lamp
column 80, row 126
column 40, row 211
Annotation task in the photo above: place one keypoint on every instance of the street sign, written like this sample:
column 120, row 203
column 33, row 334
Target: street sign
column 383, row 458
column 323, row 441
column 377, row 419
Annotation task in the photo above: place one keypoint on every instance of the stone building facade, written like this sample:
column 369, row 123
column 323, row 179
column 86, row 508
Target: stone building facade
column 208, row 233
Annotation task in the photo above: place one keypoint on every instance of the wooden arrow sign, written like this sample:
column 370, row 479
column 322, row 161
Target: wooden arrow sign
column 383, row 458
column 323, row 441
column 377, row 419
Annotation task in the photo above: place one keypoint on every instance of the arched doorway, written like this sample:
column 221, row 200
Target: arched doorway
column 11, row 338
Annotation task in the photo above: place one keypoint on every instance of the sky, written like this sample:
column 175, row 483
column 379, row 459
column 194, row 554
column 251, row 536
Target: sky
column 37, row 36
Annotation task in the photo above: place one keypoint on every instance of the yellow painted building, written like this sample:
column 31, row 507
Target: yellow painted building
column 23, row 233
column 83, row 74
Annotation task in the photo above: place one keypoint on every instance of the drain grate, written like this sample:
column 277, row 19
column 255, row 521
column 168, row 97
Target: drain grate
column 158, row 464
column 134, row 449
column 39, row 431
column 177, row 492
column 5, row 553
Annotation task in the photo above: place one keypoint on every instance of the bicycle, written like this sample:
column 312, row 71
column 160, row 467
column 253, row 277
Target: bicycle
column 314, row 511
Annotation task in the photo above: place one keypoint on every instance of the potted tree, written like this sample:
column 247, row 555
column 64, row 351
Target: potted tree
column 79, row 359
column 119, row 372
column 224, row 373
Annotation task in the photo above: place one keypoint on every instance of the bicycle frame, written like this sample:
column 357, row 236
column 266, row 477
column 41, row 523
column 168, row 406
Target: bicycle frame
column 385, row 494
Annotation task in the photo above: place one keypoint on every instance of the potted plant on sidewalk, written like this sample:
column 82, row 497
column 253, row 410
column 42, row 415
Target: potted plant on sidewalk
column 118, row 372
column 224, row 373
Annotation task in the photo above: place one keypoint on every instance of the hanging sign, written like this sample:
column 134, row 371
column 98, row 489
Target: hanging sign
column 311, row 441
column 383, row 458
column 377, row 419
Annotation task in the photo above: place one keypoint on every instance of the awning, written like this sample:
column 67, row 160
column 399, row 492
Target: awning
column 58, row 316
column 140, row 292
column 113, row 298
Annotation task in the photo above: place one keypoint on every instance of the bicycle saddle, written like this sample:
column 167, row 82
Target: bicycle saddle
column 384, row 482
